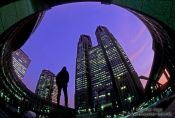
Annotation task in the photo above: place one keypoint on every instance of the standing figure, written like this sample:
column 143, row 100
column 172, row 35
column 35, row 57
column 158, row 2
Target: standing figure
column 62, row 79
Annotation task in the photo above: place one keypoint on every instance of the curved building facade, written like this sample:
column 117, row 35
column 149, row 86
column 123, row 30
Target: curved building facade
column 20, row 17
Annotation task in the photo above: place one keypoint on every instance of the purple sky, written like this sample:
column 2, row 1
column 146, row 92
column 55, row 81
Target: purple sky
column 54, row 43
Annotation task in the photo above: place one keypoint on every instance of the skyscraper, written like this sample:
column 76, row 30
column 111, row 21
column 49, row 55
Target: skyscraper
column 45, row 85
column 113, row 82
column 82, row 83
column 127, row 87
column 20, row 62
column 101, row 82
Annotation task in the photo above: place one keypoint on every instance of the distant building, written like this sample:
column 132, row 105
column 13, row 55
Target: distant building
column 54, row 92
column 20, row 62
column 104, row 75
column 45, row 84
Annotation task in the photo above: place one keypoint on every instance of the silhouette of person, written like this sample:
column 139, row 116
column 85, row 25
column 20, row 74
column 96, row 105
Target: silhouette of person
column 62, row 79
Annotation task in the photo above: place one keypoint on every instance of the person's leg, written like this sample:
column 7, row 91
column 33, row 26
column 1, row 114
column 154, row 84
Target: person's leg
column 58, row 95
column 65, row 95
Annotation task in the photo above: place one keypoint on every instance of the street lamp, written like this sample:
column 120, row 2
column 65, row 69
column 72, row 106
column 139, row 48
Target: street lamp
column 129, row 99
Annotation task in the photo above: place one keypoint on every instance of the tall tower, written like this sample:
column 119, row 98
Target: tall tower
column 82, row 83
column 105, row 74
column 101, row 82
column 126, row 84
column 20, row 62
column 45, row 85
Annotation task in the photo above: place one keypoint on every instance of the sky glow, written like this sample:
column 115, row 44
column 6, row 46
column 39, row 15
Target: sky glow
column 54, row 43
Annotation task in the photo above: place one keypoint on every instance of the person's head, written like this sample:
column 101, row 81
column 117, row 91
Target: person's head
column 64, row 68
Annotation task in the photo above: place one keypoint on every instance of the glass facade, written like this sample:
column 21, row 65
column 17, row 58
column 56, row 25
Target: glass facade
column 126, row 83
column 100, row 78
column 20, row 62
column 45, row 84
column 161, row 11
column 106, row 74
column 12, row 13
column 82, row 82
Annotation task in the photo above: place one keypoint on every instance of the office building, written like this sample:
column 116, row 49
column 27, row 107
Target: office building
column 45, row 84
column 127, row 87
column 101, row 82
column 82, row 83
column 110, row 79
column 20, row 62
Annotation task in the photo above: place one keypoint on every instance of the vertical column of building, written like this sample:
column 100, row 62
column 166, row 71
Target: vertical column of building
column 45, row 85
column 128, row 65
column 82, row 83
column 54, row 92
column 108, row 51
column 101, row 82
column 124, row 77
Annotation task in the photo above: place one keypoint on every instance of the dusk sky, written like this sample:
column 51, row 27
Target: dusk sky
column 54, row 43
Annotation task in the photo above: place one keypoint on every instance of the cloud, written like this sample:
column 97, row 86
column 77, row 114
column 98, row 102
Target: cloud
column 147, row 72
column 135, row 55
column 139, row 34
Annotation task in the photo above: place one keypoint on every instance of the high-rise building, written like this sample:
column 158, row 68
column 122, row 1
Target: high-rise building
column 110, row 78
column 45, row 84
column 101, row 82
column 82, row 83
column 127, row 87
column 20, row 62
column 54, row 92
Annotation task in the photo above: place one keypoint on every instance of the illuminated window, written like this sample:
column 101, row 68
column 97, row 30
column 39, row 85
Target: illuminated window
column 163, row 79
column 167, row 73
column 123, row 87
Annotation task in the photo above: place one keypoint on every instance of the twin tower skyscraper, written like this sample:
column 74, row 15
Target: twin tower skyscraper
column 105, row 77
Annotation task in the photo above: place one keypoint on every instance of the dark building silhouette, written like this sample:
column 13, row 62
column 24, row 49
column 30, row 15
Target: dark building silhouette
column 19, row 17
column 45, row 85
column 104, row 75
